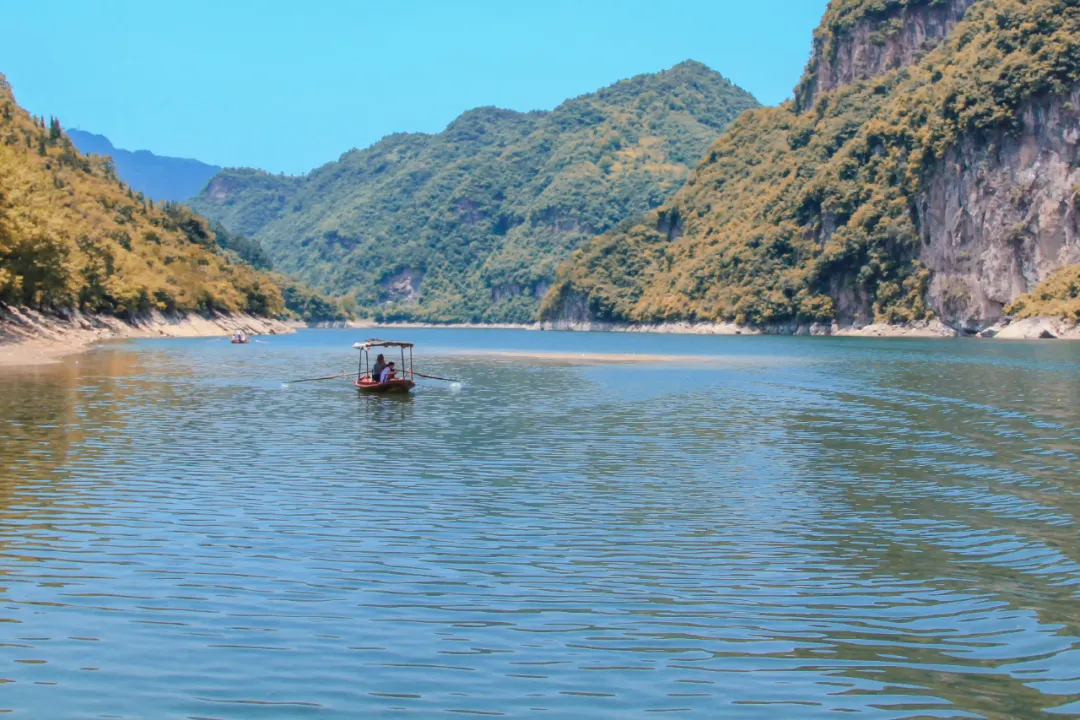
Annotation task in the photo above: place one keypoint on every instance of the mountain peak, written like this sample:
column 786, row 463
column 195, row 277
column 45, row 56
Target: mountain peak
column 692, row 66
column 848, row 214
column 489, row 207
column 157, row 176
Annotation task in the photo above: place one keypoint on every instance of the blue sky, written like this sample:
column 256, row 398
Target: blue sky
column 287, row 86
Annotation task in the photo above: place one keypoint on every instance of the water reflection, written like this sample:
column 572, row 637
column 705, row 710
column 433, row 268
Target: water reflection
column 884, row 528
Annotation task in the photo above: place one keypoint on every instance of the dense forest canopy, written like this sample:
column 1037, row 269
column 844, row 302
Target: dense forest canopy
column 470, row 224
column 793, row 213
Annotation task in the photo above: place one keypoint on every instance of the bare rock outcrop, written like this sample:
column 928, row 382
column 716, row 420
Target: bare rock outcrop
column 403, row 286
column 876, row 43
column 998, row 214
column 1037, row 328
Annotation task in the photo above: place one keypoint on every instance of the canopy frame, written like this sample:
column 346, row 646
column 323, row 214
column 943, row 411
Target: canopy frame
column 364, row 368
column 375, row 342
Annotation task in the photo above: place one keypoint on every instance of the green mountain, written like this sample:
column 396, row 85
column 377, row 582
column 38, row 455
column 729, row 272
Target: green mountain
column 72, row 234
column 927, row 168
column 156, row 176
column 471, row 224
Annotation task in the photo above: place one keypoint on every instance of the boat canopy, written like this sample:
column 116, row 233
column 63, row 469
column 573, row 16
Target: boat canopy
column 363, row 370
column 374, row 342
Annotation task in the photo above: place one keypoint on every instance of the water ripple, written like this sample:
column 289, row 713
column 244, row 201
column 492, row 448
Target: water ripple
column 774, row 527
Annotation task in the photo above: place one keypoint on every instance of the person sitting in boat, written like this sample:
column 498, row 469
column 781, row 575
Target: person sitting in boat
column 388, row 373
column 376, row 370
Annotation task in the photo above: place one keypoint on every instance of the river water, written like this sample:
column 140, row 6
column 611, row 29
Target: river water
column 736, row 527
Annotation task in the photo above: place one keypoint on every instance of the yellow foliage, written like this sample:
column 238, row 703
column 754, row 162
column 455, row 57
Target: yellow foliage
column 1057, row 296
column 72, row 234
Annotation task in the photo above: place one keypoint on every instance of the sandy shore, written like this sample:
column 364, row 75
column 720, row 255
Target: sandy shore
column 601, row 358
column 28, row 337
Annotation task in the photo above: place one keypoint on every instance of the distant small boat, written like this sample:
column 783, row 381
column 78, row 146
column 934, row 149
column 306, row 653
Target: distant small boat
column 403, row 383
column 240, row 339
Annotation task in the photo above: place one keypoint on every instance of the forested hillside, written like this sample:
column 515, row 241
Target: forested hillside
column 928, row 167
column 471, row 223
column 157, row 176
column 72, row 234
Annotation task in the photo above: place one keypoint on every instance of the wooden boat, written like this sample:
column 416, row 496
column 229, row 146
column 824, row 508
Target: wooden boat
column 365, row 383
column 403, row 383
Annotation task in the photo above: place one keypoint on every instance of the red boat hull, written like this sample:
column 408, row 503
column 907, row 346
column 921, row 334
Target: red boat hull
column 397, row 385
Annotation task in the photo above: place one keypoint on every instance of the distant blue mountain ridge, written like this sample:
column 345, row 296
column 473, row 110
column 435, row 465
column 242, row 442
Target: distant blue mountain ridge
column 156, row 176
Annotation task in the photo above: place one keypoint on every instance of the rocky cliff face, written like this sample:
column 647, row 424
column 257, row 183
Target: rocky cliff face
column 998, row 214
column 876, row 42
column 944, row 189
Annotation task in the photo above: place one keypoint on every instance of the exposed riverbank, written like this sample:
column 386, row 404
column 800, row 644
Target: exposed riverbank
column 930, row 329
column 1025, row 329
column 28, row 337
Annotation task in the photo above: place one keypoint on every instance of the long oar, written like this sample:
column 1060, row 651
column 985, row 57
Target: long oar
column 435, row 377
column 328, row 377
